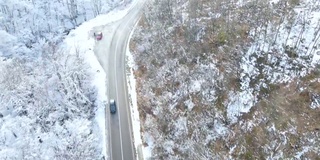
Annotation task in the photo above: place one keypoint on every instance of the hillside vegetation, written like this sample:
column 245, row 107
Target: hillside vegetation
column 229, row 79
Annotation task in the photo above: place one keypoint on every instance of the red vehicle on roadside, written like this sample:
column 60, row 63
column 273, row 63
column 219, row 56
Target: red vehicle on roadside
column 98, row 36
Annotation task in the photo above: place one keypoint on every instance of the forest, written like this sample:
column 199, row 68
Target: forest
column 47, row 100
column 229, row 79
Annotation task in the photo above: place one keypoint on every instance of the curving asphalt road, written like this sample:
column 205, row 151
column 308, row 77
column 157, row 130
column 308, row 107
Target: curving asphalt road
column 110, row 52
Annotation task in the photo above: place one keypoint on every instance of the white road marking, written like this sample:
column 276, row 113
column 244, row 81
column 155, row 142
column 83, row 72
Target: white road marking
column 126, row 94
column 117, row 92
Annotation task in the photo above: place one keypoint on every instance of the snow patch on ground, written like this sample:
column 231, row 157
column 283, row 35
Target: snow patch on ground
column 239, row 103
column 147, row 151
column 196, row 85
column 299, row 154
column 219, row 128
column 315, row 103
column 189, row 104
column 274, row 1
column 181, row 127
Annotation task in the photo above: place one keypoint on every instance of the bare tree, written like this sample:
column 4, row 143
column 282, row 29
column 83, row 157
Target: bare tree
column 97, row 7
column 72, row 6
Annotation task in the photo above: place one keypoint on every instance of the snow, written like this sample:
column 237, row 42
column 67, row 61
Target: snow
column 189, row 104
column 168, row 146
column 219, row 128
column 131, row 84
column 81, row 38
column 196, row 85
column 316, row 57
column 286, row 67
column 81, row 41
column 262, row 69
column 299, row 154
column 184, row 15
column 315, row 103
column 147, row 150
column 239, row 103
column 231, row 151
column 274, row 1
column 180, row 127
column 6, row 43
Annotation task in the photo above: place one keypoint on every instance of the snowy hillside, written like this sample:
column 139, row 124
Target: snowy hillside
column 229, row 79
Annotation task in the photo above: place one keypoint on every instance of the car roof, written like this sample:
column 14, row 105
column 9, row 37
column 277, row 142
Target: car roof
column 111, row 100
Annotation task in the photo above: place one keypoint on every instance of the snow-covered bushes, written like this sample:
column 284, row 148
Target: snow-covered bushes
column 47, row 106
column 47, row 101
column 36, row 21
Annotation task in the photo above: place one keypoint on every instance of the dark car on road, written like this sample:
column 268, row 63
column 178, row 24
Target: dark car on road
column 113, row 107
